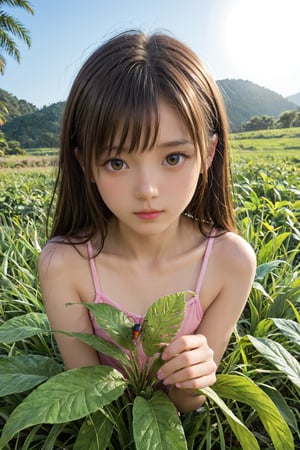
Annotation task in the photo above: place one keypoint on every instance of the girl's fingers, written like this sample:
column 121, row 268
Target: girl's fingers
column 182, row 344
column 189, row 363
column 188, row 374
column 186, row 359
column 198, row 383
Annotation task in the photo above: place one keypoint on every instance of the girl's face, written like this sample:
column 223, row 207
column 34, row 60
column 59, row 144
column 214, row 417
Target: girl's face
column 148, row 191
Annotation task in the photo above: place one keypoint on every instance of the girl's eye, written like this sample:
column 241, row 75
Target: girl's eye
column 116, row 165
column 174, row 159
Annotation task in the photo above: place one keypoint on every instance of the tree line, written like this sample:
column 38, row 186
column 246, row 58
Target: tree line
column 287, row 119
column 41, row 128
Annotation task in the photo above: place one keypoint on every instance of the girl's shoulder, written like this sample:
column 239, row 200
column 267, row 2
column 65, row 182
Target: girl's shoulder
column 60, row 254
column 234, row 253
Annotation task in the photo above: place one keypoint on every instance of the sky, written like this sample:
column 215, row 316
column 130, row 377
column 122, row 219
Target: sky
column 256, row 40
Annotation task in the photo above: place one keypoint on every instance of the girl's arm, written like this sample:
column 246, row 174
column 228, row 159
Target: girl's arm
column 59, row 274
column 191, row 361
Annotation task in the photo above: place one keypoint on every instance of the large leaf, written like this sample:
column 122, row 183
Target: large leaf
column 163, row 321
column 266, row 268
column 279, row 356
column 156, row 425
column 23, row 327
column 20, row 373
column 101, row 345
column 95, row 433
column 243, row 435
column 289, row 328
column 67, row 396
column 114, row 322
column 282, row 405
column 244, row 390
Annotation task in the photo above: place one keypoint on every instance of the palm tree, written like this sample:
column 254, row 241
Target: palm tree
column 11, row 28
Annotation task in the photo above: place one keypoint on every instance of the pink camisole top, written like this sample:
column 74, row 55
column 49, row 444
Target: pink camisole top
column 193, row 313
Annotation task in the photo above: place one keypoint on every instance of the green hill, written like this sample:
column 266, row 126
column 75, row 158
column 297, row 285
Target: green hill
column 295, row 98
column 245, row 99
column 14, row 106
column 38, row 129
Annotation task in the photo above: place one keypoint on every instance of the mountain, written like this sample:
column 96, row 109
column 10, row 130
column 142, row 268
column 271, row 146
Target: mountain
column 14, row 106
column 40, row 128
column 295, row 98
column 244, row 100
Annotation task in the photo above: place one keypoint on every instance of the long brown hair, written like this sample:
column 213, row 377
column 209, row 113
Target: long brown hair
column 119, row 86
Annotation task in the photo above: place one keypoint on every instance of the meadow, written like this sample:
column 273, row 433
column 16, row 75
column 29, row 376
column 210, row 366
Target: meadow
column 261, row 364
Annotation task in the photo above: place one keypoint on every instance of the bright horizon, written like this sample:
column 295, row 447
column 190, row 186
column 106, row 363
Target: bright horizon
column 255, row 40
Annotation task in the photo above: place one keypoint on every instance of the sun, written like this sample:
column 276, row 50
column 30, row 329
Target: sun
column 262, row 39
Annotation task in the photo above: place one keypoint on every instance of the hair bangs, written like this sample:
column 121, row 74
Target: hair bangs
column 131, row 117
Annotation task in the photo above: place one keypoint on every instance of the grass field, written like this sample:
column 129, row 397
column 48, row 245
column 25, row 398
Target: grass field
column 267, row 140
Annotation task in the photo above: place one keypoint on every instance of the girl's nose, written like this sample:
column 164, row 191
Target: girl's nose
column 146, row 188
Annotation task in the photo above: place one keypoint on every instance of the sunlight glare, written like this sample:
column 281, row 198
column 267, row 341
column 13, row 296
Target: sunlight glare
column 262, row 36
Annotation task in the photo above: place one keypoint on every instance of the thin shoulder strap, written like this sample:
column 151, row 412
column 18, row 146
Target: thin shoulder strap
column 210, row 241
column 93, row 267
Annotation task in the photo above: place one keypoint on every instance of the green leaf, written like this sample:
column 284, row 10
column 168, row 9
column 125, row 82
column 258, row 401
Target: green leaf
column 95, row 433
column 163, row 321
column 244, row 436
column 268, row 250
column 283, row 407
column 263, row 327
column 289, row 328
column 114, row 322
column 52, row 435
column 156, row 424
column 260, row 288
column 20, row 373
column 266, row 268
column 279, row 356
column 294, row 309
column 101, row 345
column 67, row 396
column 242, row 389
column 23, row 327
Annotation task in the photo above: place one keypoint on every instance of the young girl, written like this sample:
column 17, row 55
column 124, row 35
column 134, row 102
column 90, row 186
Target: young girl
column 143, row 207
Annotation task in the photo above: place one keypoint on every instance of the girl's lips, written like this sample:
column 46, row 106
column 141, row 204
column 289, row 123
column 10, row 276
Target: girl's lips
column 148, row 215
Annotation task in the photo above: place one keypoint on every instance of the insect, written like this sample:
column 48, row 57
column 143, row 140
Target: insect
column 136, row 331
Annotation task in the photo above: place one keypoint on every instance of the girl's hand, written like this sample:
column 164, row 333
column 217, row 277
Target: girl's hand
column 189, row 363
